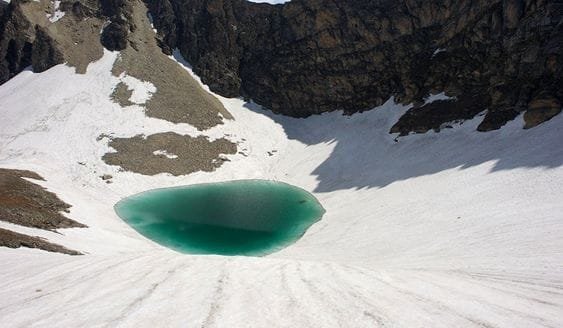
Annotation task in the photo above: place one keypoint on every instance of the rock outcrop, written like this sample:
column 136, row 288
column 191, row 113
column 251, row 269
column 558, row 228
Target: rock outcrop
column 311, row 56
column 30, row 36
column 25, row 203
column 114, row 36
column 15, row 43
column 28, row 204
column 13, row 239
column 29, row 39
column 45, row 53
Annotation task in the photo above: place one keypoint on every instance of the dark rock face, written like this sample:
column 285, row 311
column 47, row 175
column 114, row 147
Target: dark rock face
column 44, row 53
column 114, row 36
column 311, row 56
column 437, row 114
column 24, row 43
column 15, row 44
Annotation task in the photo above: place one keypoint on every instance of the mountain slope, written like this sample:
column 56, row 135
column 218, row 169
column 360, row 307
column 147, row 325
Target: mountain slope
column 451, row 229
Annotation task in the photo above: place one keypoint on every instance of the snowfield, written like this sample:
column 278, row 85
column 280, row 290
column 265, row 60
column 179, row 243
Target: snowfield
column 450, row 229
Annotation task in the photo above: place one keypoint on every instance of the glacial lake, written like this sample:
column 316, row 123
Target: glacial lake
column 244, row 217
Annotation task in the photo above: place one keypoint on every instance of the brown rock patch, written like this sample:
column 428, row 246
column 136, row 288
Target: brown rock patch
column 168, row 153
column 76, row 34
column 121, row 95
column 540, row 110
column 16, row 240
column 28, row 204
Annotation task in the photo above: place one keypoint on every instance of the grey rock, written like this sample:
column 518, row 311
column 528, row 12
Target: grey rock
column 311, row 56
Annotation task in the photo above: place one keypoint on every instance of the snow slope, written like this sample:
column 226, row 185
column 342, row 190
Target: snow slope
column 449, row 229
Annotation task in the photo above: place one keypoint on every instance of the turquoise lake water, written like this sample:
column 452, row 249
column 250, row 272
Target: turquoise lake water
column 245, row 217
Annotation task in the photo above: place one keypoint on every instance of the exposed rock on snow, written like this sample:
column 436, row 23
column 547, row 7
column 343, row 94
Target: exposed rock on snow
column 182, row 155
column 433, row 115
column 15, row 240
column 122, row 94
column 106, row 177
column 25, row 203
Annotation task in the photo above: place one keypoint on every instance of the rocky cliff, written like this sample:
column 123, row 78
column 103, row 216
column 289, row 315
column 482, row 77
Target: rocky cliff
column 15, row 41
column 311, row 56
column 41, row 34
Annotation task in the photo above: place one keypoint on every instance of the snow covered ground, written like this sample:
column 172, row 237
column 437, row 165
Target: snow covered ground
column 449, row 229
column 57, row 14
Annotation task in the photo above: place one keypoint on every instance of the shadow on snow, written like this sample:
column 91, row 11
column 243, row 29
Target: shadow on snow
column 367, row 156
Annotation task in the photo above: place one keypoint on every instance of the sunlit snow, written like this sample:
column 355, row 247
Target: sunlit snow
column 165, row 153
column 57, row 14
column 142, row 91
column 450, row 229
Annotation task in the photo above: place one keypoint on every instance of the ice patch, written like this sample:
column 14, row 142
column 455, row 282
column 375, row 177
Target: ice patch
column 437, row 51
column 142, row 90
column 151, row 21
column 57, row 14
column 162, row 152
column 439, row 96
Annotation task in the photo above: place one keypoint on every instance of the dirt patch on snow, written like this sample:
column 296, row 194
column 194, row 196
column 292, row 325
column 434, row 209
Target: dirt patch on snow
column 28, row 204
column 121, row 95
column 168, row 153
column 16, row 240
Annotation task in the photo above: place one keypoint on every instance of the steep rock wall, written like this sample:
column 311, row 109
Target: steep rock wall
column 310, row 56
